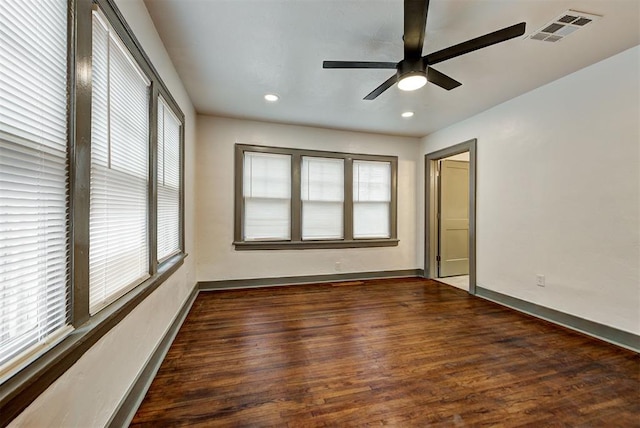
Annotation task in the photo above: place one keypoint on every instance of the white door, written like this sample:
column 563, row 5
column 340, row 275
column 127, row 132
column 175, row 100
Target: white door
column 454, row 218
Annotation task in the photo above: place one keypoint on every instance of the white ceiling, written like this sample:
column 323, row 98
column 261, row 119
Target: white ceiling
column 229, row 53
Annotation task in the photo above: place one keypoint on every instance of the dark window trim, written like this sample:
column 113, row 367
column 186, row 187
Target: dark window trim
column 24, row 385
column 152, row 184
column 296, row 242
column 307, row 245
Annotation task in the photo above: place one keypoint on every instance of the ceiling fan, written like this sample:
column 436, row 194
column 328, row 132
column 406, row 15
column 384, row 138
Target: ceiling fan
column 415, row 70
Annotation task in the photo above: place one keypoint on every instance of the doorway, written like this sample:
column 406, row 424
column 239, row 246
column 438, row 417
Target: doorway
column 450, row 215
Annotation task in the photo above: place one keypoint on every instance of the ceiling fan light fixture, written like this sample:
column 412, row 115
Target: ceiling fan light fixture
column 414, row 70
column 413, row 81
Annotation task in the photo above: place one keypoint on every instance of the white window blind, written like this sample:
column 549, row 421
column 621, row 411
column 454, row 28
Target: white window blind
column 322, row 194
column 168, row 229
column 371, row 199
column 118, row 252
column 34, row 296
column 267, row 196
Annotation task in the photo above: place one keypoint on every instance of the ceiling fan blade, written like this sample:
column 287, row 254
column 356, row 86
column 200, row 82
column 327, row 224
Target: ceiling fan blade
column 477, row 43
column 415, row 19
column 358, row 64
column 380, row 89
column 442, row 80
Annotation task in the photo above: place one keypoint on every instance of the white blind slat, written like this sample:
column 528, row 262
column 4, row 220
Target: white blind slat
column 34, row 296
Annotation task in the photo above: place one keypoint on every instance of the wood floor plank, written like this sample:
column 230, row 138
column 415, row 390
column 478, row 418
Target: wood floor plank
column 400, row 352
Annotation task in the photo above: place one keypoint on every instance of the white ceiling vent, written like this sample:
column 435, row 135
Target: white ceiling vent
column 563, row 25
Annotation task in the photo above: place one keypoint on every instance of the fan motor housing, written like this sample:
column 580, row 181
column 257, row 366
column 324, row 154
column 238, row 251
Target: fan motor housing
column 411, row 66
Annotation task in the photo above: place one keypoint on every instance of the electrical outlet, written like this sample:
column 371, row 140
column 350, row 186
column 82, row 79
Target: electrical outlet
column 338, row 267
column 540, row 280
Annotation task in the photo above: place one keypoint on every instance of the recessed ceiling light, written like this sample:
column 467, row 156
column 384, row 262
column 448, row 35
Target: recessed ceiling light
column 271, row 97
column 407, row 114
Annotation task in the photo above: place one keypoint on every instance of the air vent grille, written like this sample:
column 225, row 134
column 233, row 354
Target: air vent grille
column 563, row 25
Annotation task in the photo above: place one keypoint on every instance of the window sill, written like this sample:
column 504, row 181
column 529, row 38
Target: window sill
column 19, row 390
column 309, row 245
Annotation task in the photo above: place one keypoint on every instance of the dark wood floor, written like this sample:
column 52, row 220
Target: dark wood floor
column 403, row 352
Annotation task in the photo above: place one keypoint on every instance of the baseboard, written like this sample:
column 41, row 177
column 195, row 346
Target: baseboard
column 305, row 279
column 609, row 334
column 129, row 405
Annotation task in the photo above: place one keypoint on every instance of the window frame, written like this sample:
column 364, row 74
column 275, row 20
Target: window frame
column 316, row 201
column 112, row 169
column 36, row 373
column 296, row 242
column 263, row 198
column 181, row 123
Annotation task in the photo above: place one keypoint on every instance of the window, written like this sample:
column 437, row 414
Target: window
column 118, row 251
column 267, row 196
column 91, row 186
column 322, row 198
column 169, row 160
column 371, row 199
column 289, row 198
column 34, row 256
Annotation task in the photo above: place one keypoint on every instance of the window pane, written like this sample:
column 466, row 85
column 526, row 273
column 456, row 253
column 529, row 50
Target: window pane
column 371, row 199
column 322, row 220
column 322, row 193
column 168, row 229
column 34, row 295
column 371, row 181
column 267, row 196
column 267, row 219
column 118, row 253
column 371, row 220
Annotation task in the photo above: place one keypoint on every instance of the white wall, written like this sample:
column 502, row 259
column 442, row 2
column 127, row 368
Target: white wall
column 558, row 188
column 88, row 393
column 217, row 259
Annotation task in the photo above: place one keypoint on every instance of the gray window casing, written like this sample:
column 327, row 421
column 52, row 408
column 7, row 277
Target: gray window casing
column 296, row 242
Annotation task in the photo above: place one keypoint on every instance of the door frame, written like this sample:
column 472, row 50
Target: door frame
column 431, row 205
